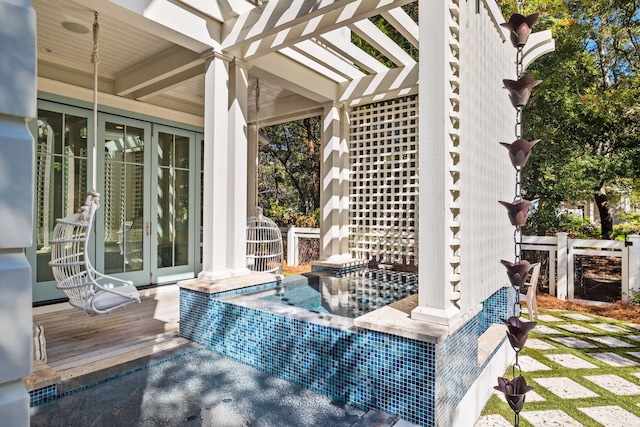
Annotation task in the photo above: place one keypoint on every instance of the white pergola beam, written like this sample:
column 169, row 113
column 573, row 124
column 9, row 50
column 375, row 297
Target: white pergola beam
column 291, row 75
column 284, row 110
column 401, row 81
column 341, row 44
column 169, row 83
column 278, row 33
column 272, row 17
column 403, row 23
column 315, row 52
column 380, row 41
column 169, row 20
column 156, row 69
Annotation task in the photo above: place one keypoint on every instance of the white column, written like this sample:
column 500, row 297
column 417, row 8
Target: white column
column 434, row 235
column 634, row 266
column 563, row 262
column 334, row 187
column 237, row 172
column 216, row 121
column 225, row 169
column 345, row 178
column 17, row 104
column 252, row 170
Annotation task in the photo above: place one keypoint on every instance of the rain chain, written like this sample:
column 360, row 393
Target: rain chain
column 518, row 210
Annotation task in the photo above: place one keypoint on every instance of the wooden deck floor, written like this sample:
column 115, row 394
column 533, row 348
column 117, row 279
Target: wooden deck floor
column 80, row 345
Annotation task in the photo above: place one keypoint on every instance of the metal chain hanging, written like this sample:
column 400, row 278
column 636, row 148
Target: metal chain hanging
column 518, row 210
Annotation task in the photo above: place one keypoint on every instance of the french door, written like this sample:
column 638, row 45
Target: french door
column 146, row 227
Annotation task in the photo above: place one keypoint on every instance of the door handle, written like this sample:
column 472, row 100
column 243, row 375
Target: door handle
column 148, row 228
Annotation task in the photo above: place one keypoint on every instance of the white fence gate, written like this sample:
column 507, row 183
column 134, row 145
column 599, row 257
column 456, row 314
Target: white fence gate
column 562, row 258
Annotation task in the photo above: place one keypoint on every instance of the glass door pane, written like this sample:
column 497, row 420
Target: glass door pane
column 61, row 177
column 173, row 212
column 125, row 227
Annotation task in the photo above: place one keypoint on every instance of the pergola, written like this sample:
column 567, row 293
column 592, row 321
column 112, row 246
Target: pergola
column 198, row 62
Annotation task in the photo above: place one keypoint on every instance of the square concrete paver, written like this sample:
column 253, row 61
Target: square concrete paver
column 570, row 361
column 574, row 342
column 612, row 416
column 633, row 337
column 565, row 388
column 578, row 316
column 545, row 330
column 615, row 384
column 551, row 418
column 493, row 420
column 538, row 344
column 529, row 364
column 609, row 327
column 578, row 329
column 611, row 341
column 634, row 354
column 614, row 359
column 532, row 396
column 633, row 325
column 548, row 318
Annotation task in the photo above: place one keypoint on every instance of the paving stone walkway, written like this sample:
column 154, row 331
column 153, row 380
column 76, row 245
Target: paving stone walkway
column 585, row 371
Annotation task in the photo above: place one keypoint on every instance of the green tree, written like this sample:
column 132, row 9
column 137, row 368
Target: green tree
column 586, row 112
column 289, row 168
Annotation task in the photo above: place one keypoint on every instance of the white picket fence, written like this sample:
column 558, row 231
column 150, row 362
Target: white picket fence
column 562, row 258
column 293, row 235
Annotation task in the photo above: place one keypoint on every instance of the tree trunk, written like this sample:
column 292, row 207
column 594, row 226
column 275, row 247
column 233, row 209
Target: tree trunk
column 606, row 219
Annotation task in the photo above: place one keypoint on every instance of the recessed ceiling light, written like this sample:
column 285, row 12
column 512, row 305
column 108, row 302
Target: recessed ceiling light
column 75, row 27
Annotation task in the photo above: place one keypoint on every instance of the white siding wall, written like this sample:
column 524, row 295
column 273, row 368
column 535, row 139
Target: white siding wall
column 486, row 174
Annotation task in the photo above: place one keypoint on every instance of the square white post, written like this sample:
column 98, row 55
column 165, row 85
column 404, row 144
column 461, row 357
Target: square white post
column 563, row 263
column 225, row 169
column 334, row 189
column 216, row 121
column 237, row 170
column 435, row 205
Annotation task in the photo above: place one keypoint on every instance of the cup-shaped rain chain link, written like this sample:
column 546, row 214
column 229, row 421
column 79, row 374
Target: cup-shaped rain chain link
column 520, row 28
column 517, row 272
column 519, row 151
column 520, row 90
column 514, row 391
column 518, row 210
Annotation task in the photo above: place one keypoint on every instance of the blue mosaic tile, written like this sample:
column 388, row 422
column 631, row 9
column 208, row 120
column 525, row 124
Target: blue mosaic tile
column 416, row 381
column 42, row 395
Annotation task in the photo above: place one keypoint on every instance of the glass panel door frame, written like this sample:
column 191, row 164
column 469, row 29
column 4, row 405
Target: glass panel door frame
column 122, row 222
column 173, row 204
column 75, row 168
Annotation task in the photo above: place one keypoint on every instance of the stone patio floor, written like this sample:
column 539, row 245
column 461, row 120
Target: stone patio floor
column 585, row 371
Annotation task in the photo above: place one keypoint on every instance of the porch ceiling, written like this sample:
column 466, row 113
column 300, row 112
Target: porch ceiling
column 151, row 51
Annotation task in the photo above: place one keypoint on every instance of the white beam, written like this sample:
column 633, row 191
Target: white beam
column 402, row 81
column 341, row 43
column 380, row 41
column 157, row 68
column 314, row 64
column 165, row 19
column 291, row 75
column 403, row 23
column 313, row 50
column 169, row 83
column 539, row 43
column 284, row 110
column 278, row 33
column 272, row 17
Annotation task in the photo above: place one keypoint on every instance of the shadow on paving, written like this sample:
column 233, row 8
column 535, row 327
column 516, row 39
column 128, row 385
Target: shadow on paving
column 201, row 389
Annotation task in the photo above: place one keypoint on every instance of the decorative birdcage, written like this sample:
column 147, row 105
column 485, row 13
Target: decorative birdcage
column 264, row 244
